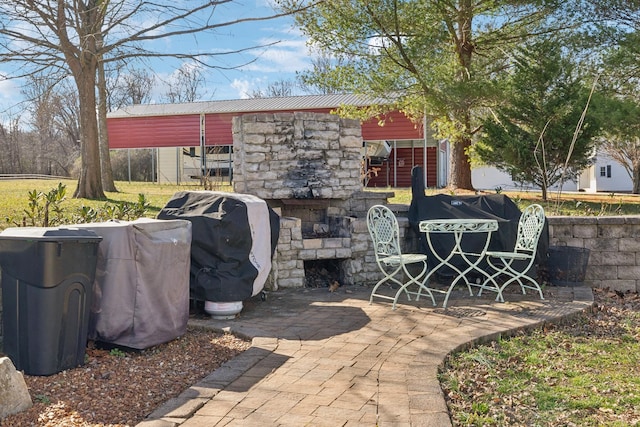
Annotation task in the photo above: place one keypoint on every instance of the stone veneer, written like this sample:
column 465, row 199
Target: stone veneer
column 297, row 156
column 354, row 252
column 302, row 163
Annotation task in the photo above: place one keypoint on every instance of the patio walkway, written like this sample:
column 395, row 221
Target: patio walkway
column 331, row 359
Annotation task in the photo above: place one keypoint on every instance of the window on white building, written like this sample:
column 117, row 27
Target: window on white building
column 605, row 171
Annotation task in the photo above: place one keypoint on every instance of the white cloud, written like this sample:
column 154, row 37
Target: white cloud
column 288, row 56
column 9, row 89
column 242, row 87
column 11, row 100
column 266, row 3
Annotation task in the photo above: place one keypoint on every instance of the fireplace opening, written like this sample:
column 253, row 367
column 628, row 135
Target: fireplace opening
column 324, row 273
column 316, row 221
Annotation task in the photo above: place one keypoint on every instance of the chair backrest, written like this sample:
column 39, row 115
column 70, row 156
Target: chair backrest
column 384, row 230
column 529, row 229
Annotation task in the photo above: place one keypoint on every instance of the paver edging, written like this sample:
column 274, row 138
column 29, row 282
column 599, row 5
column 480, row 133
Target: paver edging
column 177, row 410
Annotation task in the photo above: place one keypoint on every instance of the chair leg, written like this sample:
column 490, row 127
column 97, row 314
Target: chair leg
column 493, row 286
column 516, row 276
column 375, row 288
column 423, row 286
column 389, row 277
column 453, row 285
column 534, row 287
column 415, row 280
column 420, row 287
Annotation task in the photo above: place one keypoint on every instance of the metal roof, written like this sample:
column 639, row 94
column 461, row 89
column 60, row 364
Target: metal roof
column 286, row 103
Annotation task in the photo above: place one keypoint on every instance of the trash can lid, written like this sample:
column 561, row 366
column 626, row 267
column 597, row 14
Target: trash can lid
column 49, row 234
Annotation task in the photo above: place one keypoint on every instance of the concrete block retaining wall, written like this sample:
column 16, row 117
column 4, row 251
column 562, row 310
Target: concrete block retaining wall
column 614, row 242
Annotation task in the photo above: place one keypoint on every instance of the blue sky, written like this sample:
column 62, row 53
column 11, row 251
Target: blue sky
column 261, row 66
column 257, row 68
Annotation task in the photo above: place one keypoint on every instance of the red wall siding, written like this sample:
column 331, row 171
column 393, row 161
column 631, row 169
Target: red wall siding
column 217, row 129
column 395, row 125
column 147, row 132
column 405, row 159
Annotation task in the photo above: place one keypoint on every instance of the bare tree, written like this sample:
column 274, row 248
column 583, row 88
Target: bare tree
column 276, row 89
column 10, row 152
column 123, row 87
column 64, row 36
column 131, row 87
column 55, row 132
column 627, row 154
column 42, row 110
column 321, row 63
column 67, row 117
column 186, row 84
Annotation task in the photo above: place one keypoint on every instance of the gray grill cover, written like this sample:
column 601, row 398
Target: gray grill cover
column 141, row 291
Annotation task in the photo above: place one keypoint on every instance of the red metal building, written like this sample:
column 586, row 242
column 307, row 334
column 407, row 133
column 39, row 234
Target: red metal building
column 208, row 124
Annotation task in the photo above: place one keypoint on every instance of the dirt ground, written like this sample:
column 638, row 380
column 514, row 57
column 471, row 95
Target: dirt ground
column 120, row 388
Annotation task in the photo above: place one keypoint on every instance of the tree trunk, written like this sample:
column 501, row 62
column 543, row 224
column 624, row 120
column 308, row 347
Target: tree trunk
column 636, row 178
column 460, row 172
column 105, row 158
column 90, row 180
column 545, row 192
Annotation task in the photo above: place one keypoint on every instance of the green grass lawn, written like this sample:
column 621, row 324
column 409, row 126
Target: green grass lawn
column 14, row 197
column 14, row 200
column 583, row 373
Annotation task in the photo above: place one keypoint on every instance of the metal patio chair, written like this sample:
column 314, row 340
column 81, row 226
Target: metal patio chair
column 515, row 266
column 384, row 230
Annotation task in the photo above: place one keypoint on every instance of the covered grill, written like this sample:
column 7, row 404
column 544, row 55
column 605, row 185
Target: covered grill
column 493, row 206
column 234, row 237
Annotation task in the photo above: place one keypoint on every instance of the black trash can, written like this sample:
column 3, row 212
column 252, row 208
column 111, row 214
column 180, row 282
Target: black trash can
column 568, row 265
column 47, row 280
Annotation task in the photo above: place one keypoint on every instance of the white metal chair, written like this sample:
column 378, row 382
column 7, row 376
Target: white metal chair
column 515, row 266
column 385, row 233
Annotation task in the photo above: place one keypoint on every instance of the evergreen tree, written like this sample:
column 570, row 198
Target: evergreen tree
column 537, row 132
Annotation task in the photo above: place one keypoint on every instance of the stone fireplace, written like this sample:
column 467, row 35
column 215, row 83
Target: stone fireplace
column 307, row 166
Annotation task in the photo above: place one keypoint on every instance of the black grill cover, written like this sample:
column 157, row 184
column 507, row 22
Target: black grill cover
column 234, row 239
column 493, row 206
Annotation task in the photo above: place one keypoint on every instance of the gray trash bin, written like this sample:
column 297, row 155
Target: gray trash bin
column 47, row 279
